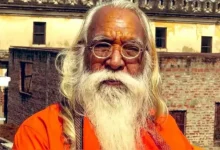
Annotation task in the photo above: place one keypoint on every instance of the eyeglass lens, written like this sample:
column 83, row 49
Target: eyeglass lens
column 104, row 50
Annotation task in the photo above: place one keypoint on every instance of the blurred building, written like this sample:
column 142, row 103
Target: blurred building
column 35, row 81
column 177, row 25
column 3, row 90
column 36, row 30
column 191, row 87
column 184, row 25
column 35, row 26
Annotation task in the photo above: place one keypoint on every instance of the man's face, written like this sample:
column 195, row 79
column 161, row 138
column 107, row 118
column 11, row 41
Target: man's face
column 114, row 93
column 117, row 27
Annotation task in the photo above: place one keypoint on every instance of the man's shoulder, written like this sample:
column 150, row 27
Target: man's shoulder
column 44, row 118
column 166, row 118
column 166, row 123
column 40, row 131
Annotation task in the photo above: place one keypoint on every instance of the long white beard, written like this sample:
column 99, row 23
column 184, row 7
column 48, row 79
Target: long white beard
column 117, row 113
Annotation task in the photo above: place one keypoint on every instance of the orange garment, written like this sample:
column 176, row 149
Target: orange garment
column 43, row 131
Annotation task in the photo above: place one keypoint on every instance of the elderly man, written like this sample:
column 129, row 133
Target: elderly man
column 111, row 84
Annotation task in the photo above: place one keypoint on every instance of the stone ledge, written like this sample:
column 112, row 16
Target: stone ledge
column 189, row 55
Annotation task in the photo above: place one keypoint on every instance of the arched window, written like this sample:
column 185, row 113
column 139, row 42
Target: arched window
column 207, row 4
column 147, row 1
column 196, row 4
column 184, row 3
column 161, row 2
column 173, row 2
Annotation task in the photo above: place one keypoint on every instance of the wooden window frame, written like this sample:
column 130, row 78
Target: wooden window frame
column 162, row 39
column 25, row 76
column 43, row 33
column 184, row 121
column 202, row 44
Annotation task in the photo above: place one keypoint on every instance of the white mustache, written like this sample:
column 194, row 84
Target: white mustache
column 100, row 76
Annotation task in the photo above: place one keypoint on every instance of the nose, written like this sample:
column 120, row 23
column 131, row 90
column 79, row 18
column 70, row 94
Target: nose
column 115, row 62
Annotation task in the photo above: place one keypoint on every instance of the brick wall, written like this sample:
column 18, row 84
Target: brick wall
column 44, row 83
column 191, row 82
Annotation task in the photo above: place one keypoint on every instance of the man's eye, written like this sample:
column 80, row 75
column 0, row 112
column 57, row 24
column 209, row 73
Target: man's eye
column 129, row 47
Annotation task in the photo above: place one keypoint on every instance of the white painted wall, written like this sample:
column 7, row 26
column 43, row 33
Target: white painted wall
column 18, row 31
column 186, row 37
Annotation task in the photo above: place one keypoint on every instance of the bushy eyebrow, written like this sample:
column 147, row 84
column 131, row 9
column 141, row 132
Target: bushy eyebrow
column 101, row 38
column 108, row 39
column 136, row 41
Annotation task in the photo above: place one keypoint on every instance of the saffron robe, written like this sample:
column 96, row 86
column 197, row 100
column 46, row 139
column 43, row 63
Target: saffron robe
column 43, row 131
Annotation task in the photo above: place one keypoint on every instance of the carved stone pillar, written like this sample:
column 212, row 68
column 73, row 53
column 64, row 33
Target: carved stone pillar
column 88, row 3
column 173, row 4
column 196, row 6
column 146, row 4
column 217, row 7
column 208, row 6
column 161, row 4
column 185, row 5
column 72, row 2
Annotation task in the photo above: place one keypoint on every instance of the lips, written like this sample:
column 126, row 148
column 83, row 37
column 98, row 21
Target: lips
column 112, row 82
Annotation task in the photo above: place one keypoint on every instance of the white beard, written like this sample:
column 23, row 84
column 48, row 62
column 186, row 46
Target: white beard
column 117, row 113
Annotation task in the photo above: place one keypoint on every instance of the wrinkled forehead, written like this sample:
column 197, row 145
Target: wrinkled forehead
column 109, row 13
column 110, row 18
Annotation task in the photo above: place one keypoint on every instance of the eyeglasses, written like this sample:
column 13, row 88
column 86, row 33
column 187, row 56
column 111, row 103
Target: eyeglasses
column 104, row 50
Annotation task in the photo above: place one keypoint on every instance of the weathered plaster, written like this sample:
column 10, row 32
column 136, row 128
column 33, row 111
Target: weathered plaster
column 18, row 31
